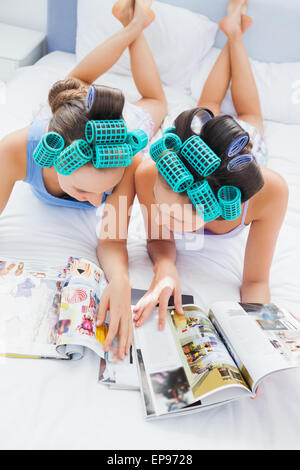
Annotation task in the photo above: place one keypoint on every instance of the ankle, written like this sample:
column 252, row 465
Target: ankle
column 235, row 35
column 135, row 26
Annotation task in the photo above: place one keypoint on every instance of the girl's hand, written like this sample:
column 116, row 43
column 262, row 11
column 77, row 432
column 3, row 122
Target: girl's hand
column 116, row 298
column 165, row 283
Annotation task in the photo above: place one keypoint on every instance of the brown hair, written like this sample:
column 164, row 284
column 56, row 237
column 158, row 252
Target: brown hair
column 67, row 100
column 218, row 133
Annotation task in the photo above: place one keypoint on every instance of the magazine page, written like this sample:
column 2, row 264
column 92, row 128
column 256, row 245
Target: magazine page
column 29, row 309
column 124, row 374
column 80, row 300
column 119, row 374
column 262, row 338
column 187, row 363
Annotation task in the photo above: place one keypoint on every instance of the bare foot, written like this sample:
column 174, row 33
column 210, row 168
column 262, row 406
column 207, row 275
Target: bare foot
column 123, row 10
column 247, row 22
column 232, row 23
column 143, row 13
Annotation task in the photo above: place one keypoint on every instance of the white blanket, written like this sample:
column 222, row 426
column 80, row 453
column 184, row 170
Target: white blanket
column 48, row 404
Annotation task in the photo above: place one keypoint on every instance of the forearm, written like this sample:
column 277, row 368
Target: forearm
column 161, row 252
column 255, row 292
column 113, row 259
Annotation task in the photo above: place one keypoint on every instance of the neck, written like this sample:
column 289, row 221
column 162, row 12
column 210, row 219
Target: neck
column 51, row 182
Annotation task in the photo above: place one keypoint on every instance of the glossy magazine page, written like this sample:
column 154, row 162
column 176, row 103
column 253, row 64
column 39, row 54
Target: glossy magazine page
column 29, row 309
column 80, row 300
column 262, row 338
column 186, row 364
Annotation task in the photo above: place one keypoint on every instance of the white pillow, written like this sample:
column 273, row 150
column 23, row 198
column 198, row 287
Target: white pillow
column 278, row 87
column 178, row 37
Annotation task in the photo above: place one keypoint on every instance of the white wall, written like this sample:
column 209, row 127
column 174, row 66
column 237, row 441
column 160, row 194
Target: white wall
column 25, row 13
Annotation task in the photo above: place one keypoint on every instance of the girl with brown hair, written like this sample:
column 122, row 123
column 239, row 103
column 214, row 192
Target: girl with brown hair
column 89, row 187
column 238, row 149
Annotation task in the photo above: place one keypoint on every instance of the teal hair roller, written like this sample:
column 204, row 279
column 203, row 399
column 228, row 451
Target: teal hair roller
column 167, row 142
column 48, row 149
column 112, row 156
column 170, row 130
column 230, row 201
column 175, row 172
column 200, row 156
column 204, row 200
column 73, row 157
column 138, row 140
column 107, row 132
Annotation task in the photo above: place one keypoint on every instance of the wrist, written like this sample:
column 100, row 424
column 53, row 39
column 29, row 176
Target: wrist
column 255, row 292
column 122, row 277
column 162, row 263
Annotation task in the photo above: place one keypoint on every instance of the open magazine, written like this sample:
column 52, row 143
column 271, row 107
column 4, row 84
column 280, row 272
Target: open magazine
column 51, row 313
column 200, row 361
column 118, row 374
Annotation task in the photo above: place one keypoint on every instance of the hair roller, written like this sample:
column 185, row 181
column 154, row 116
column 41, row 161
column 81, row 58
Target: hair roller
column 73, row 157
column 240, row 162
column 204, row 201
column 48, row 149
column 168, row 141
column 238, row 145
column 200, row 156
column 174, row 172
column 170, row 130
column 230, row 200
column 106, row 132
column 199, row 119
column 138, row 140
column 90, row 98
column 112, row 156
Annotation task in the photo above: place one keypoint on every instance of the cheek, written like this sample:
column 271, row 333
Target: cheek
column 192, row 220
column 195, row 223
column 63, row 182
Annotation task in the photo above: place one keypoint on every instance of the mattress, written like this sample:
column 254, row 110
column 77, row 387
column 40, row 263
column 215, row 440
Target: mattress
column 57, row 405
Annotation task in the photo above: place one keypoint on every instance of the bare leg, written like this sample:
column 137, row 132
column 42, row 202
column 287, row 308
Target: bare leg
column 217, row 83
column 243, row 87
column 103, row 57
column 144, row 69
column 147, row 80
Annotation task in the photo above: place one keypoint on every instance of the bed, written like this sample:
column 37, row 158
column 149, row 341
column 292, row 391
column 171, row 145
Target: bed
column 58, row 405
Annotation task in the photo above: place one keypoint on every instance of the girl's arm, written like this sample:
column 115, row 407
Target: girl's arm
column 113, row 258
column 13, row 166
column 162, row 251
column 270, row 204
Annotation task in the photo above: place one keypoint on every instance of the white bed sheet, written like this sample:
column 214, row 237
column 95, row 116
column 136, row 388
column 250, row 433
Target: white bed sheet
column 43, row 402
